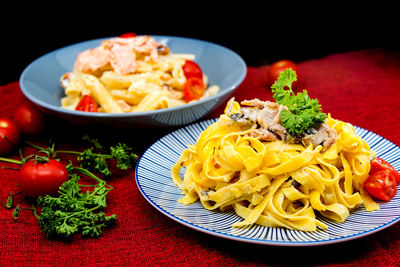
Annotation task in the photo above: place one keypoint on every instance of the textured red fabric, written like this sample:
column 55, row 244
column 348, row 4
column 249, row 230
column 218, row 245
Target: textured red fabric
column 361, row 87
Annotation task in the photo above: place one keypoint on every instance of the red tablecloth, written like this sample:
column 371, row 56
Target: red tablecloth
column 361, row 87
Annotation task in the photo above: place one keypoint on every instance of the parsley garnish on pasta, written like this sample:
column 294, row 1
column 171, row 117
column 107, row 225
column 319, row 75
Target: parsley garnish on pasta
column 303, row 112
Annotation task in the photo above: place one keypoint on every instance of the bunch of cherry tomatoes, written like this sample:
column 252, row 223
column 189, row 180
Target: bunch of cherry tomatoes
column 35, row 178
column 25, row 120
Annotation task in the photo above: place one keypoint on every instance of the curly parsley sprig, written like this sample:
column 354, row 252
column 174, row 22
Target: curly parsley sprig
column 303, row 112
column 74, row 211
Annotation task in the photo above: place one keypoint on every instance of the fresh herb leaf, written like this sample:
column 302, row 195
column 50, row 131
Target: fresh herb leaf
column 97, row 162
column 16, row 212
column 10, row 200
column 124, row 156
column 94, row 141
column 94, row 162
column 285, row 79
column 74, row 211
column 303, row 112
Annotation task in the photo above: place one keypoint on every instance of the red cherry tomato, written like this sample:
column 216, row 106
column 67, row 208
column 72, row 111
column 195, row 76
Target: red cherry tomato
column 40, row 179
column 277, row 67
column 192, row 69
column 29, row 119
column 378, row 164
column 193, row 89
column 10, row 135
column 128, row 35
column 87, row 103
column 381, row 185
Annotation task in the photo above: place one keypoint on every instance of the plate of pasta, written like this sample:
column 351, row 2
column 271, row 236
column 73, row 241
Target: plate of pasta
column 254, row 175
column 155, row 183
column 134, row 81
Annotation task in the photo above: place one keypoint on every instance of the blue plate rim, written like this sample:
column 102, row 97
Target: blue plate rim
column 253, row 240
column 228, row 90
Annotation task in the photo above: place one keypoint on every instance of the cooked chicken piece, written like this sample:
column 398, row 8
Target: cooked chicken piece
column 253, row 103
column 324, row 136
column 267, row 117
column 280, row 131
column 263, row 134
column 250, row 114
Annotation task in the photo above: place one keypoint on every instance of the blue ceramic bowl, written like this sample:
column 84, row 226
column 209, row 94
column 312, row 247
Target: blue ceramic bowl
column 40, row 83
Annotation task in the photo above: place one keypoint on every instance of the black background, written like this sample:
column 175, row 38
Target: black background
column 260, row 33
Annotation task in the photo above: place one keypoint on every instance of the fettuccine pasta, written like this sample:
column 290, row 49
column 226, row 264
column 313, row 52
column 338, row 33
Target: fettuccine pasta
column 275, row 183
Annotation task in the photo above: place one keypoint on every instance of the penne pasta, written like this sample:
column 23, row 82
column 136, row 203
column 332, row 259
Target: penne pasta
column 100, row 94
column 128, row 75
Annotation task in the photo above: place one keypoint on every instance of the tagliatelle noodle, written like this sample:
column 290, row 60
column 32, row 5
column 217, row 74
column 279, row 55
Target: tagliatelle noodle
column 275, row 184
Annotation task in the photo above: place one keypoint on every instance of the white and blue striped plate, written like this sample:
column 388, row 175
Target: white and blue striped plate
column 155, row 183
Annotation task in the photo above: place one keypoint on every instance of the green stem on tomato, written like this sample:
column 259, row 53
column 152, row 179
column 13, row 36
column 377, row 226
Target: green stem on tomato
column 35, row 146
column 49, row 150
column 21, row 155
column 55, row 152
column 15, row 161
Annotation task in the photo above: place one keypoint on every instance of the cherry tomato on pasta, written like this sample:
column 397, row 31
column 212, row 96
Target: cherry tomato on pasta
column 87, row 103
column 29, row 119
column 128, row 35
column 42, row 178
column 193, row 89
column 378, row 164
column 277, row 67
column 381, row 185
column 10, row 135
column 192, row 69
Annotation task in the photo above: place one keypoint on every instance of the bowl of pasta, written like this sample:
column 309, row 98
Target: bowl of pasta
column 133, row 81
